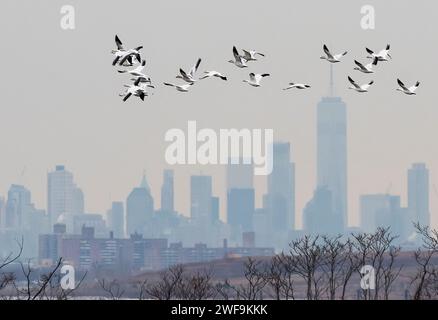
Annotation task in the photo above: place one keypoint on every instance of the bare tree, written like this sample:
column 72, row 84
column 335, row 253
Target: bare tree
column 255, row 282
column 112, row 288
column 307, row 258
column 279, row 276
column 337, row 265
column 167, row 287
column 425, row 279
column 196, row 286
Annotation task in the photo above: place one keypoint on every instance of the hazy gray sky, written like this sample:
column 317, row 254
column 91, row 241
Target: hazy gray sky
column 60, row 104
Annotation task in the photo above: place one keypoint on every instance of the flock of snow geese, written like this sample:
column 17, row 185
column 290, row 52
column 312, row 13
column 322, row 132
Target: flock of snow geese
column 141, row 82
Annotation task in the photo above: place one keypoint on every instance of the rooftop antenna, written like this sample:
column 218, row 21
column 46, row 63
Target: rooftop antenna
column 332, row 84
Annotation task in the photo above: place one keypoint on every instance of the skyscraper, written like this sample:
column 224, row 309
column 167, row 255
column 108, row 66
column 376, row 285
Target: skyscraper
column 18, row 207
column 240, row 175
column 240, row 210
column 61, row 196
column 381, row 210
column 116, row 221
column 167, row 195
column 332, row 151
column 320, row 216
column 200, row 199
column 139, row 208
column 281, row 189
column 418, row 194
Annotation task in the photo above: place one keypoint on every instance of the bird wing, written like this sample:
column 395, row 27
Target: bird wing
column 127, row 97
column 183, row 73
column 260, row 54
column 327, row 52
column 195, row 67
column 369, row 51
column 402, row 85
column 366, row 86
column 247, row 54
column 388, row 47
column 169, row 84
column 265, row 75
column 360, row 65
column 236, row 53
column 119, row 43
column 353, row 83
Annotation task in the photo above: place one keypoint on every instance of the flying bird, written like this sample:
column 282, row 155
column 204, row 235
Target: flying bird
column 332, row 58
column 181, row 88
column 251, row 55
column 383, row 55
column 366, row 68
column 238, row 60
column 297, row 86
column 409, row 91
column 134, row 89
column 124, row 56
column 255, row 79
column 137, row 72
column 189, row 77
column 209, row 74
column 363, row 88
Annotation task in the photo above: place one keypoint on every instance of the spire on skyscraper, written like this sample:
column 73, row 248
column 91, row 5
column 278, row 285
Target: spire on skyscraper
column 332, row 83
column 144, row 182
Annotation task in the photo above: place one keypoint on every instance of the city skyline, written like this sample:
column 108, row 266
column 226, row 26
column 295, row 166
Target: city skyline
column 108, row 145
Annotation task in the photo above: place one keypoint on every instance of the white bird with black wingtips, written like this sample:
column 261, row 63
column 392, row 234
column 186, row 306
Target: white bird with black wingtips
column 366, row 68
column 209, row 74
column 331, row 57
column 255, row 79
column 124, row 56
column 363, row 88
column 137, row 72
column 238, row 60
column 189, row 77
column 250, row 55
column 134, row 89
column 300, row 86
column 409, row 91
column 383, row 55
column 180, row 88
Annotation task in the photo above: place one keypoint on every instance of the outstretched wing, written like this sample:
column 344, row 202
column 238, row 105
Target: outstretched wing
column 402, row 85
column 119, row 43
column 360, row 65
column 169, row 84
column 195, row 67
column 236, row 53
column 369, row 51
column 353, row 83
column 327, row 52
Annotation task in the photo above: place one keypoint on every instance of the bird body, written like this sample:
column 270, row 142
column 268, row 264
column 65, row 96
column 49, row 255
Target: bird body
column 300, row 86
column 209, row 74
column 255, row 79
column 362, row 89
column 366, row 68
column 181, row 88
